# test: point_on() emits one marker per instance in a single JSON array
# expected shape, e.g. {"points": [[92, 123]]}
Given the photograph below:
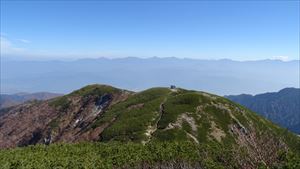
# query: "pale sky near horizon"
{"points": [[247, 30]]}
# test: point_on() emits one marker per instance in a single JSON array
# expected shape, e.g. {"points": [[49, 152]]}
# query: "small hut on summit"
{"points": [[172, 87]]}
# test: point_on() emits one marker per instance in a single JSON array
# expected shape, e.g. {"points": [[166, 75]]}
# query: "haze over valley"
{"points": [[222, 77]]}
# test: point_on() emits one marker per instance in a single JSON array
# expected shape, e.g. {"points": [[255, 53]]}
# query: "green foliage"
{"points": [[186, 126], [62, 103], [113, 155], [203, 128], [170, 135], [131, 124], [94, 90], [292, 141], [176, 105], [220, 116], [242, 119], [288, 160], [54, 123]]}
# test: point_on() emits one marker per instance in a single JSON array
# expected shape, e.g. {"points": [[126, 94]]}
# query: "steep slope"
{"points": [[62, 119], [8, 100], [157, 115], [281, 107]]}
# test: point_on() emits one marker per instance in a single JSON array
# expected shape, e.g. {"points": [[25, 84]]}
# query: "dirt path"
{"points": [[152, 129]]}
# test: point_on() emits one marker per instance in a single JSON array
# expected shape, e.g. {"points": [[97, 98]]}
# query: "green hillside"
{"points": [[156, 128]]}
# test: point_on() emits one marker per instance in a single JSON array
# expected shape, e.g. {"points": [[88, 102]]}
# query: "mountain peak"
{"points": [[95, 89], [289, 89]]}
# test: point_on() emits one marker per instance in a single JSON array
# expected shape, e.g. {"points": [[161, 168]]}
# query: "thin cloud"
{"points": [[282, 58], [7, 47], [24, 40]]}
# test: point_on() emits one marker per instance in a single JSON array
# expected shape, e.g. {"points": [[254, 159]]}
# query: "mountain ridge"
{"points": [[8, 100], [282, 107], [101, 113]]}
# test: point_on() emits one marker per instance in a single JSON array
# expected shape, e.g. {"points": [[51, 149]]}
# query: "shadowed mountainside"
{"points": [[281, 107]]}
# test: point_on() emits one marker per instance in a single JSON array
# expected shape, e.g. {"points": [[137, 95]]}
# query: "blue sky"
{"points": [[204, 30]]}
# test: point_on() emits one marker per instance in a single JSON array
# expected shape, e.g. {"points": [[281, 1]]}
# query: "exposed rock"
{"points": [[136, 106], [217, 133], [179, 121]]}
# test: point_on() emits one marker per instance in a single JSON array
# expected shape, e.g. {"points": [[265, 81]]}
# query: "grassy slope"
{"points": [[129, 155], [130, 124]]}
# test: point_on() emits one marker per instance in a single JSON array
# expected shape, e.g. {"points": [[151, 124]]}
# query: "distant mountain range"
{"points": [[222, 77], [281, 107], [223, 134], [7, 100]]}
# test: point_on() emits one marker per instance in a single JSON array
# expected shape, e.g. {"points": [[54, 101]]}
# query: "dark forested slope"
{"points": [[281, 107]]}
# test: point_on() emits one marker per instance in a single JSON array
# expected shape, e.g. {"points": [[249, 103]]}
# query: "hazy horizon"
{"points": [[13, 58], [220, 77]]}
